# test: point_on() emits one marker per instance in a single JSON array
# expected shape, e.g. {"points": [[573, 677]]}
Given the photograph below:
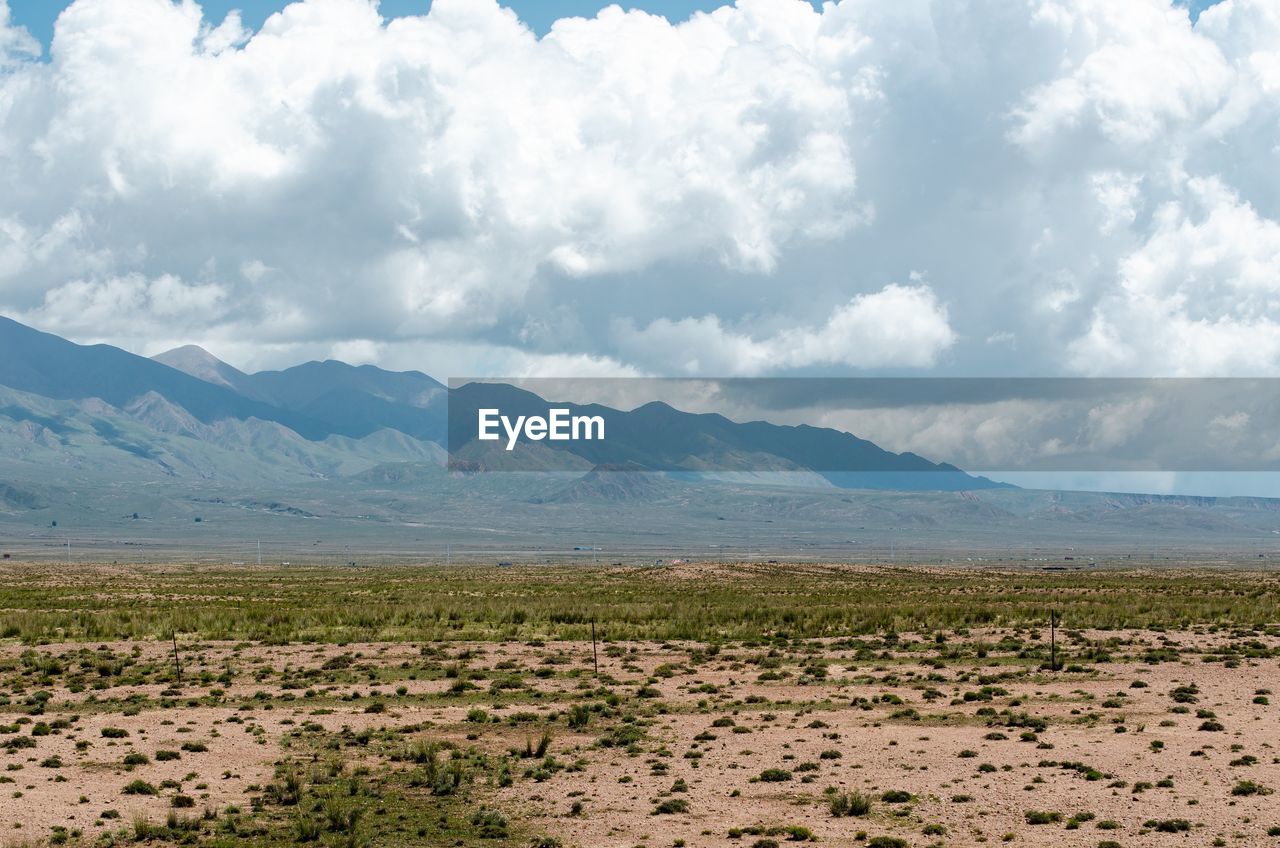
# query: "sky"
{"points": [[38, 16], [923, 187]]}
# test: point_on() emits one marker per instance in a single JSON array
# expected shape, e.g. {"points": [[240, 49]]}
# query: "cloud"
{"points": [[736, 193], [577, 366], [146, 307], [411, 178], [1112, 425], [903, 326], [1005, 434], [16, 44], [1200, 297], [1139, 71]]}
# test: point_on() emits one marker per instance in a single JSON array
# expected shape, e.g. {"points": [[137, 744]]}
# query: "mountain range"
{"points": [[189, 392], [183, 449]]}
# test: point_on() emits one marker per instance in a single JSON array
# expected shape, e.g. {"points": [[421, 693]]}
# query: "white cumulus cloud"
{"points": [[1200, 297], [410, 178], [16, 44], [896, 326], [735, 193]]}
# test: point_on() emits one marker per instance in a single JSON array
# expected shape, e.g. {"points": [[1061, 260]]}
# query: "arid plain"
{"points": [[722, 704]]}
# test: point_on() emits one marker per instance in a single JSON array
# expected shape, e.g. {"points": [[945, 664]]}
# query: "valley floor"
{"points": [[722, 705]]}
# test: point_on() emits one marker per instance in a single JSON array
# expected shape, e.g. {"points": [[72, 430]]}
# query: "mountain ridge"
{"points": [[659, 437], [128, 453]]}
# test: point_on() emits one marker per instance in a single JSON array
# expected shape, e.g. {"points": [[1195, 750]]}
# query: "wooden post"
{"points": [[176, 663], [595, 662], [1053, 640]]}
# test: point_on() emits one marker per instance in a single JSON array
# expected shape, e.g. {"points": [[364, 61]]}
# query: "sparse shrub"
{"points": [[1245, 788], [579, 716], [849, 804], [1168, 825], [489, 824], [305, 828]]}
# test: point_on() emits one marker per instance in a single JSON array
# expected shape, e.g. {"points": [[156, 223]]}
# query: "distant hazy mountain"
{"points": [[92, 443], [346, 399], [658, 437], [269, 417], [201, 364], [46, 365], [125, 454]]}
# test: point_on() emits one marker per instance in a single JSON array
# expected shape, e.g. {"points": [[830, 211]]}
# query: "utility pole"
{"points": [[448, 554], [259, 552], [177, 664]]}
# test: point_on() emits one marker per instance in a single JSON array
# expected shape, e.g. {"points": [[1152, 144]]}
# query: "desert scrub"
{"points": [[670, 806], [848, 803], [490, 824], [579, 716], [1167, 825], [1245, 788], [887, 842]]}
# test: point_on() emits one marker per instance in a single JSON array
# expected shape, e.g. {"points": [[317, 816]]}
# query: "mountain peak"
{"points": [[198, 362]]}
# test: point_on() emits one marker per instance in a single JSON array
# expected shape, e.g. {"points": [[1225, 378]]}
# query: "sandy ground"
{"points": [[712, 726]]}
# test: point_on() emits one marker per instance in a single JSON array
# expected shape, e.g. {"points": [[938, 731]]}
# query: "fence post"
{"points": [[1053, 640], [595, 662]]}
